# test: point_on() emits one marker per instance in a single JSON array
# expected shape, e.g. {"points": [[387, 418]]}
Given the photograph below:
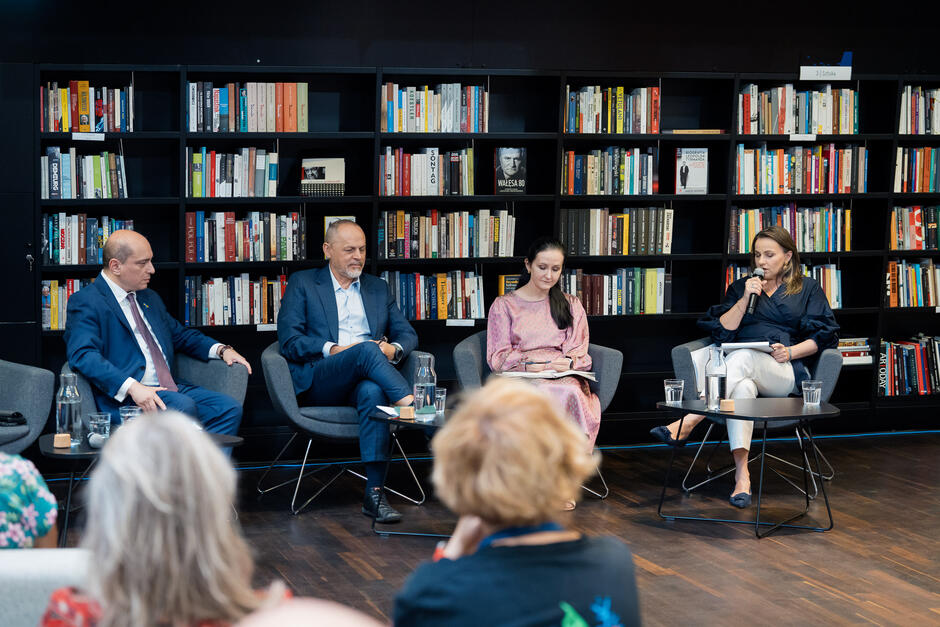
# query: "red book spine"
{"points": [[654, 126], [73, 105], [210, 185], [406, 175], [229, 236]]}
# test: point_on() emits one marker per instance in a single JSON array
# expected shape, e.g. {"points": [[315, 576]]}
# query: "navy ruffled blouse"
{"points": [[785, 318]]}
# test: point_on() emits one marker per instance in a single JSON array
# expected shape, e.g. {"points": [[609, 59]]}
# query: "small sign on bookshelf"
{"points": [[825, 72], [323, 177], [691, 170]]}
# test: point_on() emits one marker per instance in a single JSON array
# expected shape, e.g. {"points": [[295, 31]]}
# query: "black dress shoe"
{"points": [[376, 506], [662, 434], [741, 499]]}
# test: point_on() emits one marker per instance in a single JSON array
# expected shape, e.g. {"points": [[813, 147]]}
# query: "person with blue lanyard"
{"points": [[505, 462]]}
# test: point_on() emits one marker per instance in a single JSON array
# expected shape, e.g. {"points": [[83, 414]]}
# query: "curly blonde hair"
{"points": [[160, 529], [509, 456]]}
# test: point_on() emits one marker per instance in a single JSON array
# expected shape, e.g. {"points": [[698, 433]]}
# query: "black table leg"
{"points": [[64, 532]]}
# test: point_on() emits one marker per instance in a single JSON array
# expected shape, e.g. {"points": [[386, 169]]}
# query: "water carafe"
{"points": [[716, 374], [425, 386], [68, 409]]}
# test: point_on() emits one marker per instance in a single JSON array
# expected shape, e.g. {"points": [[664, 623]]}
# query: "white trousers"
{"points": [[750, 373]]}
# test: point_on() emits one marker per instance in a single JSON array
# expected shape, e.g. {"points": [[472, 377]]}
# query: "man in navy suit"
{"points": [[120, 337], [342, 334]]}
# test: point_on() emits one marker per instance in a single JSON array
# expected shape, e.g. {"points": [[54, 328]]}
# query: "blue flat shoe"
{"points": [[662, 434], [741, 499]]}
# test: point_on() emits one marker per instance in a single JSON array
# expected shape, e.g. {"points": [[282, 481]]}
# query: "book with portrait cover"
{"points": [[509, 171], [323, 177], [691, 170]]}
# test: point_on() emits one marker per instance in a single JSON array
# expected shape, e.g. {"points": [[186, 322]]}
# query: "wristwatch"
{"points": [[398, 353], [222, 350]]}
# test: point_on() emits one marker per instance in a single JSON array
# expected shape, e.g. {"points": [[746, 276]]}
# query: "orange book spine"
{"points": [[279, 107], [290, 104]]}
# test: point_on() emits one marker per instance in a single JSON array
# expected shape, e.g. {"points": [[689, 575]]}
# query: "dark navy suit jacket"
{"points": [[100, 342], [308, 319]]}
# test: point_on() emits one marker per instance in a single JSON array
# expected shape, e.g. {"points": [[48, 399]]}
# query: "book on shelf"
{"points": [[454, 295], [691, 170], [431, 234], [217, 236], [814, 229], [610, 110], [635, 231], [912, 283], [509, 170], [913, 228], [54, 297], [695, 131], [785, 110], [232, 300], [920, 111], [247, 107], [549, 374], [64, 174], [250, 173], [855, 351], [506, 283], [78, 107], [323, 176], [915, 170], [626, 291], [816, 169], [616, 170], [444, 108], [426, 173], [77, 239], [909, 367], [828, 275]]}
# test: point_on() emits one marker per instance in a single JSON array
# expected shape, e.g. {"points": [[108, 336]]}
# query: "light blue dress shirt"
{"points": [[353, 324]]}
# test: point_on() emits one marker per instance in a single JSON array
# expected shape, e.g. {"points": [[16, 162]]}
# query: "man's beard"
{"points": [[352, 273]]}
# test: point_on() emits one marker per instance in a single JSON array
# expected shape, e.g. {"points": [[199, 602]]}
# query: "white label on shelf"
{"points": [[88, 137], [803, 137], [266, 327], [825, 72], [468, 323], [937, 310]]}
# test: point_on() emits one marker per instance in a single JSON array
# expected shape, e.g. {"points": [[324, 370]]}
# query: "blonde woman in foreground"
{"points": [[502, 463], [165, 548]]}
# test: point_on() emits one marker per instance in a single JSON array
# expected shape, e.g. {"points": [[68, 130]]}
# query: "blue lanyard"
{"points": [[512, 532]]}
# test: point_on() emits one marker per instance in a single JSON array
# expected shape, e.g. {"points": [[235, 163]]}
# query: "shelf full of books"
{"points": [[814, 229], [916, 171], [920, 111], [613, 171], [233, 300], [444, 108], [632, 231], [816, 169], [55, 296], [856, 351], [246, 107], [623, 292], [217, 236], [75, 239], [913, 228], [912, 284], [612, 110], [786, 110], [909, 367], [249, 173], [429, 172], [454, 295], [437, 234], [68, 175], [79, 107], [828, 275]]}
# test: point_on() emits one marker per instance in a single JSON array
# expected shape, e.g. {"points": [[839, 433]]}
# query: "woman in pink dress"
{"points": [[538, 327]]}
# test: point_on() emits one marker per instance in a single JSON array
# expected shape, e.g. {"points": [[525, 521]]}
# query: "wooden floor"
{"points": [[880, 565]]}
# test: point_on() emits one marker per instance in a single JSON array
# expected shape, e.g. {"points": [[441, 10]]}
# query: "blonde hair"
{"points": [[509, 456], [792, 277], [160, 528]]}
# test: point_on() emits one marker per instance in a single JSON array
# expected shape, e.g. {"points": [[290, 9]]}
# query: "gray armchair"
{"points": [[213, 375], [321, 423], [825, 368], [472, 371], [28, 390]]}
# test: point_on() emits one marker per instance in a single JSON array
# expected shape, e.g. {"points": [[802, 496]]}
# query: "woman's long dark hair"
{"points": [[561, 312]]}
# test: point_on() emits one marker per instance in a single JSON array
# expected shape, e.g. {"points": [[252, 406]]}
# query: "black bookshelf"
{"points": [[526, 109]]}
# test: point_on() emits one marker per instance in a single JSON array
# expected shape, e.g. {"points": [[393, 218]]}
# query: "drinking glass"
{"points": [[100, 424], [440, 399], [674, 390], [128, 413], [812, 392]]}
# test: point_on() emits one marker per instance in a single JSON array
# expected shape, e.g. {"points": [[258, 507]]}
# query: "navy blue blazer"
{"points": [[100, 342], [308, 319]]}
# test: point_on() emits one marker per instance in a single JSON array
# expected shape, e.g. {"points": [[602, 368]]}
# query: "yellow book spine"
{"points": [[84, 110], [848, 229], [626, 234], [66, 124], [441, 296], [650, 285], [620, 109], [54, 294]]}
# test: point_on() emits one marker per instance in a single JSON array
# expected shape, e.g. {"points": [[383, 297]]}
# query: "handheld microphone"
{"points": [[752, 300]]}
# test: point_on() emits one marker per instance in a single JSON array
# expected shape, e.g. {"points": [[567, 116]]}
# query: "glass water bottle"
{"points": [[425, 385], [716, 375], [68, 409]]}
